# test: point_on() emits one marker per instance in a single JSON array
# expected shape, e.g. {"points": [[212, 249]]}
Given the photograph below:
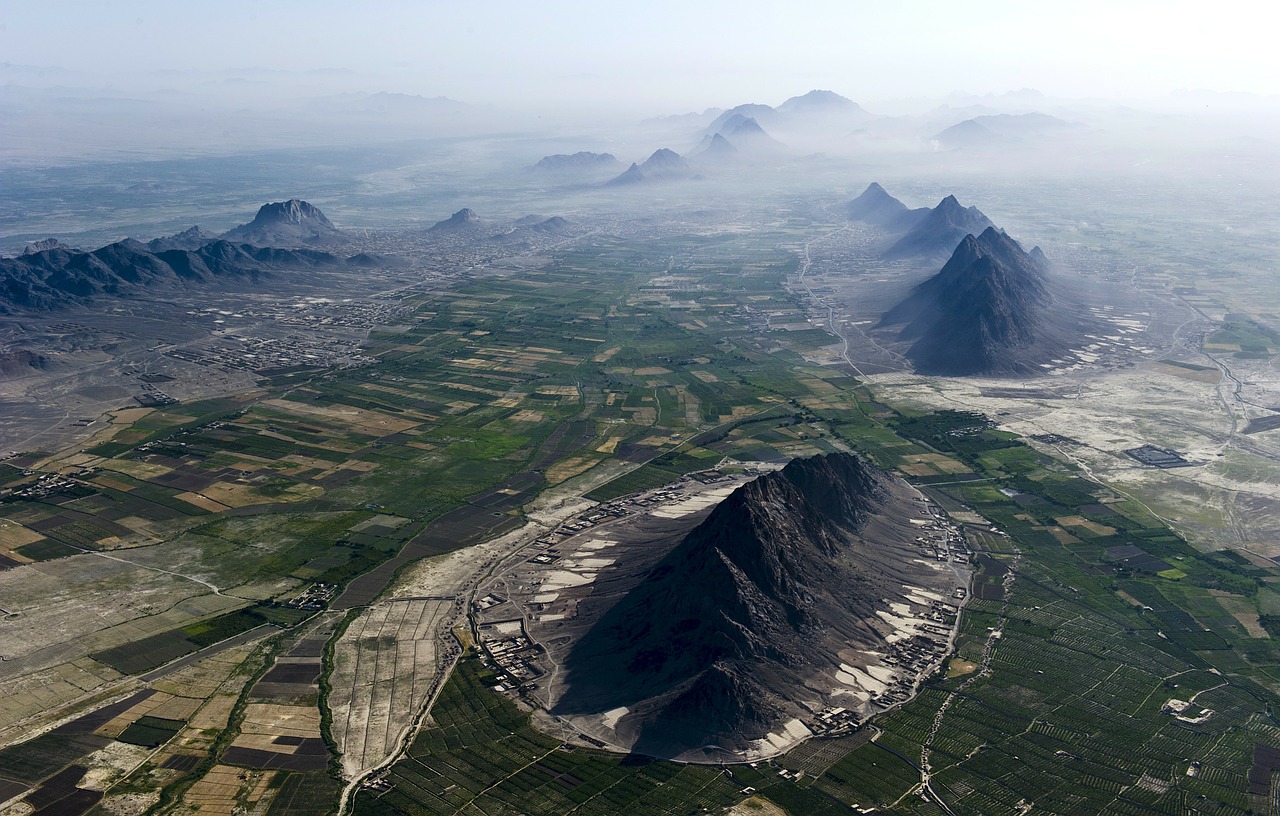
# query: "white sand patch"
{"points": [[921, 522], [858, 694], [612, 716], [593, 544], [546, 597], [934, 565], [924, 593], [555, 617], [861, 679], [693, 504], [589, 563], [796, 730], [882, 673], [506, 627], [561, 579], [901, 609], [903, 627]]}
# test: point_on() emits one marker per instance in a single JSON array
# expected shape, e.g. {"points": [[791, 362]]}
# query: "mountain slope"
{"points": [[663, 165], [875, 206], [56, 278], [985, 312], [464, 220], [939, 231], [715, 645]]}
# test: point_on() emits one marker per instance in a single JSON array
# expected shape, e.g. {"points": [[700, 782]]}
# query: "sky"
{"points": [[652, 57]]}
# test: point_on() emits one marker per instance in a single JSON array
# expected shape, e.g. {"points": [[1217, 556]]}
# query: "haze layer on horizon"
{"points": [[565, 56]]}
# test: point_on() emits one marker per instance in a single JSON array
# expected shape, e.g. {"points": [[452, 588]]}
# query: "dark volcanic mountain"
{"points": [[875, 206], [464, 220], [939, 230], [580, 162], [986, 312], [59, 277], [663, 165], [286, 223], [751, 611]]}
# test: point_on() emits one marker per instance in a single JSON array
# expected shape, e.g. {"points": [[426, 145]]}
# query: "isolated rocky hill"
{"points": [[876, 206], [987, 311], [716, 644], [939, 231], [663, 165], [286, 223], [464, 220]]}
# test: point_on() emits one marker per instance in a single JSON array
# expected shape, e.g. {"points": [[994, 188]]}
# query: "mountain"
{"points": [[580, 162], [823, 105], [939, 230], [715, 148], [750, 611], [286, 223], [464, 220], [986, 312], [192, 238], [746, 134], [663, 165], [760, 113], [535, 226], [56, 278], [42, 245], [876, 206], [1000, 130], [555, 225]]}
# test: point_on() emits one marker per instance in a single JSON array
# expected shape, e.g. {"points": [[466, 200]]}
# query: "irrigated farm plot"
{"points": [[385, 665]]}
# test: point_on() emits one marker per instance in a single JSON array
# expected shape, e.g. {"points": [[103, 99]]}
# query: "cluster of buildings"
{"points": [[916, 657], [313, 596], [506, 648]]}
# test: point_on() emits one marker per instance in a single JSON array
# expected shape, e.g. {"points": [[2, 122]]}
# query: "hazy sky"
{"points": [[652, 56]]}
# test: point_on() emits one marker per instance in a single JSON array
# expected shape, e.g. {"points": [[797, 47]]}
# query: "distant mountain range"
{"points": [[822, 110], [582, 162], [1001, 130], [715, 646], [56, 278], [49, 275], [987, 311]]}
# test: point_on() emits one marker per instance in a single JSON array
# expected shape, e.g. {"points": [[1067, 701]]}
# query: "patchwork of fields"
{"points": [[197, 616]]}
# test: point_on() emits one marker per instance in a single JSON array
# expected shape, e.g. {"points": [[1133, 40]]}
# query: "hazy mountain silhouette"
{"points": [[582, 162], [875, 206], [464, 220], [663, 165], [939, 230]]}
